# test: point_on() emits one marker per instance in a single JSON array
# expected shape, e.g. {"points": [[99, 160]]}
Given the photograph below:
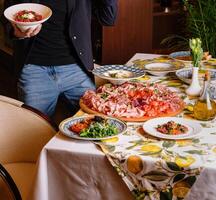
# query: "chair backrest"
{"points": [[11, 101], [23, 133], [8, 188]]}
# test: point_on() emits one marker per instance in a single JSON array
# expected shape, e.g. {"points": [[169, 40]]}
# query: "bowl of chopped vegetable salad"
{"points": [[27, 15]]}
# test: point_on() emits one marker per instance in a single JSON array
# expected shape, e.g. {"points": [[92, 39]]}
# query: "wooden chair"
{"points": [[23, 133]]}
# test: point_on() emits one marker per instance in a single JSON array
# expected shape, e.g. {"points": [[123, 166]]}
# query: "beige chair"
{"points": [[23, 133], [8, 189]]}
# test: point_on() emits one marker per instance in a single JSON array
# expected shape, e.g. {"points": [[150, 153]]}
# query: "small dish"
{"points": [[186, 74], [118, 74], [182, 56], [186, 58], [194, 128], [64, 127], [11, 11], [160, 68]]}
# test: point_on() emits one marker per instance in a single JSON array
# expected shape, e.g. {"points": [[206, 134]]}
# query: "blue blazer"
{"points": [[80, 12]]}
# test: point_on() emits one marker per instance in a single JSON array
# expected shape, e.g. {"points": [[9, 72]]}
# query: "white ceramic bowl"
{"points": [[111, 72], [160, 68], [10, 12]]}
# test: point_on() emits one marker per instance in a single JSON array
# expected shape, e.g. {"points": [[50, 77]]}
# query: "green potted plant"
{"points": [[200, 17]]}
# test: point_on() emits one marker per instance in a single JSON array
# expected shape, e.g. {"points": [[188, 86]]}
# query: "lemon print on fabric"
{"points": [[144, 78], [184, 161], [134, 164], [151, 149], [189, 107], [183, 143], [181, 189], [214, 149], [111, 140]]}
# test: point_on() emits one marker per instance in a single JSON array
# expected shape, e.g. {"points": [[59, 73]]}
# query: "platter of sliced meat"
{"points": [[132, 101]]}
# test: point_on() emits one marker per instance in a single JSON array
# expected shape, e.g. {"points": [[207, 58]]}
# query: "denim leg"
{"points": [[73, 82], [37, 88]]}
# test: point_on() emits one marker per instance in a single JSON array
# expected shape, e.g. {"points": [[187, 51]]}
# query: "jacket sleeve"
{"points": [[6, 24], [105, 11]]}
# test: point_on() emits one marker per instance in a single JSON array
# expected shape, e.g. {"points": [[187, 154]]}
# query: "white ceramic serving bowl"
{"points": [[103, 71], [159, 68], [10, 12]]}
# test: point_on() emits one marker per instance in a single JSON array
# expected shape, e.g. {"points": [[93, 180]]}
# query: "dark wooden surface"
{"points": [[141, 26], [130, 34]]}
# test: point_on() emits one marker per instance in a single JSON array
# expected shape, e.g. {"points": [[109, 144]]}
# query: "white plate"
{"points": [[64, 127], [194, 128], [185, 75]]}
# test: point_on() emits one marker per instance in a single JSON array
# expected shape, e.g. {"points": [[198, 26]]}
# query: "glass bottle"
{"points": [[205, 108]]}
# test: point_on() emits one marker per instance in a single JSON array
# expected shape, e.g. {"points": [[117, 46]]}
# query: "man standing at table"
{"points": [[55, 58]]}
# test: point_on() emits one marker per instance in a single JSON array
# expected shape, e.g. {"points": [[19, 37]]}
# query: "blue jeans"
{"points": [[40, 86]]}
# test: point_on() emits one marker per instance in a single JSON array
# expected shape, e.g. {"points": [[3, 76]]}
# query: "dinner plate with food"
{"points": [[92, 127], [185, 75], [172, 128], [132, 101], [118, 74]]}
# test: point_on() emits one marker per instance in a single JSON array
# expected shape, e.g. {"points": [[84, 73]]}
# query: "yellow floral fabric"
{"points": [[158, 169]]}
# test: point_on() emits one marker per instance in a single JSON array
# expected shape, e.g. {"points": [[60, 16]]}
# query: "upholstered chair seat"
{"points": [[23, 133]]}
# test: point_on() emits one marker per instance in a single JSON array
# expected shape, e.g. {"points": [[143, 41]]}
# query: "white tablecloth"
{"points": [[77, 170]]}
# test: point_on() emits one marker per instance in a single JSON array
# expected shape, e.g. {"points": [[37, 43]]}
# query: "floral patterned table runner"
{"points": [[159, 169]]}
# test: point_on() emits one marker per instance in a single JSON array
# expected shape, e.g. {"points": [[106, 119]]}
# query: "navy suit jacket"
{"points": [[80, 12]]}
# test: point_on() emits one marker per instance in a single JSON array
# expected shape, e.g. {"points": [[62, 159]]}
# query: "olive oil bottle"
{"points": [[205, 108]]}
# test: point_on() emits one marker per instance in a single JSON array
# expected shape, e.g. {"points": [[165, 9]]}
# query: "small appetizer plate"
{"points": [[182, 56], [65, 125], [118, 74], [193, 128]]}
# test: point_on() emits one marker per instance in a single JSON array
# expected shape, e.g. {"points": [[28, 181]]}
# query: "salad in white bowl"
{"points": [[27, 15]]}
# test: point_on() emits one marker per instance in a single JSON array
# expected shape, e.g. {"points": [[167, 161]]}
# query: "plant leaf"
{"points": [[198, 152], [173, 166], [156, 176], [168, 144], [166, 195], [178, 177], [190, 180]]}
